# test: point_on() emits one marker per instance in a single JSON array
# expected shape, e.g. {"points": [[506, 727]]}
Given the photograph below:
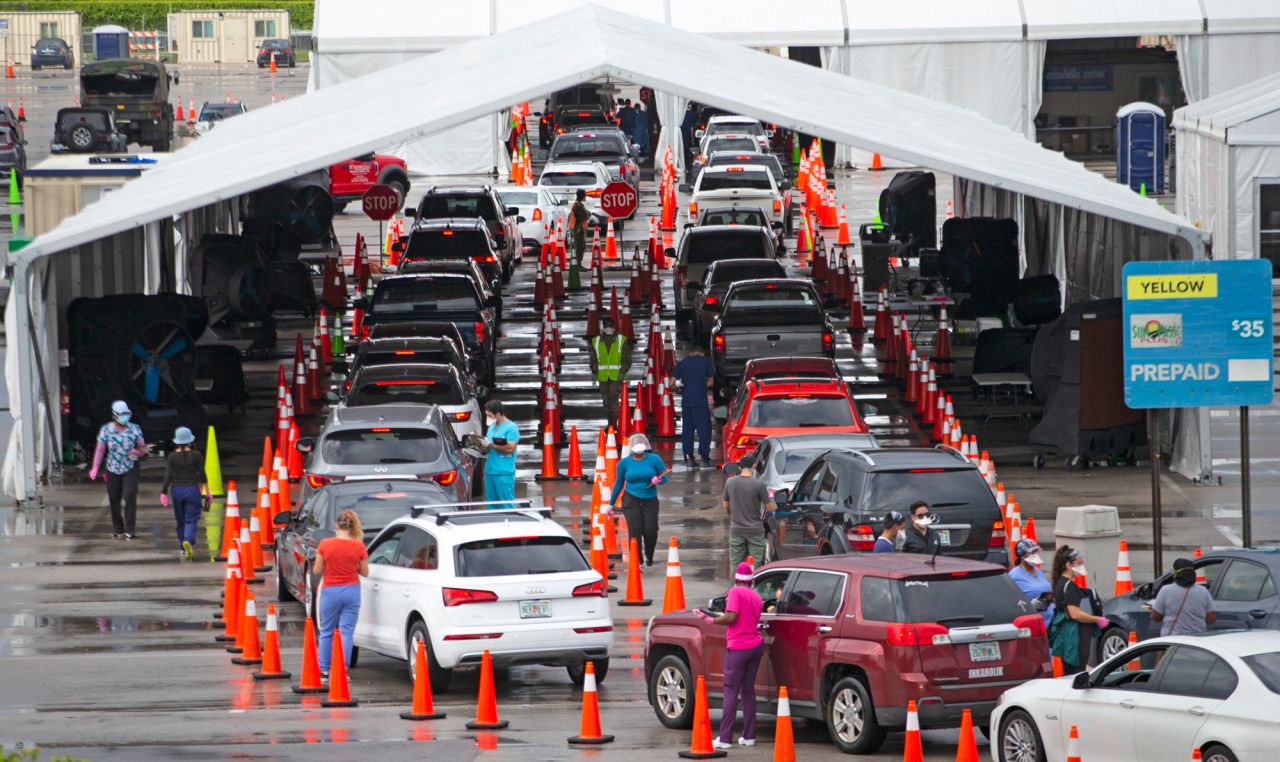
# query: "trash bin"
{"points": [[1095, 529]]}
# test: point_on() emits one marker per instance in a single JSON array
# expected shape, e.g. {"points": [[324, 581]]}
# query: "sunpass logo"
{"points": [[1155, 330]]}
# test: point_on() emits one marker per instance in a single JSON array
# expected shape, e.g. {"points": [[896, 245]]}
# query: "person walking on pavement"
{"points": [[500, 439], [186, 487], [579, 217], [921, 536], [1029, 577], [637, 482], [340, 562], [641, 138], [744, 648], [697, 375], [1183, 608], [610, 361], [895, 526], [121, 446], [746, 500], [1075, 624]]}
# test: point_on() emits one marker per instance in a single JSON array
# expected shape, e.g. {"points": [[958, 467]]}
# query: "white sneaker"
{"points": [[718, 744], [744, 741]]}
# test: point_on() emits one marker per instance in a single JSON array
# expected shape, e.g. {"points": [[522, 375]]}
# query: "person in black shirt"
{"points": [[1074, 626], [921, 536], [186, 487]]}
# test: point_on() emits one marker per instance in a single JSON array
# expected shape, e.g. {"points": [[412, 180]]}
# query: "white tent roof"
{"points": [[1241, 16], [449, 88], [1220, 115], [1058, 20]]}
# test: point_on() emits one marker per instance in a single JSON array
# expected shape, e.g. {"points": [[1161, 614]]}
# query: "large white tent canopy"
{"points": [[441, 91]]}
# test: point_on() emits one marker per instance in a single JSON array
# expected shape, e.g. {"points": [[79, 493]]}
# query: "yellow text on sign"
{"points": [[1203, 286]]}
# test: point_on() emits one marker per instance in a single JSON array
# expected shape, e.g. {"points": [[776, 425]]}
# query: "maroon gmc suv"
{"points": [[854, 637]]}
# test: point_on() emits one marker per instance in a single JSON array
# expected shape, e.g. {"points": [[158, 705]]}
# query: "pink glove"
{"points": [[1103, 623], [93, 474], [164, 500], [656, 480]]}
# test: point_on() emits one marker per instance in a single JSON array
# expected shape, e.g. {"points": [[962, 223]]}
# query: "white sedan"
{"points": [[563, 180], [541, 212], [1154, 702]]}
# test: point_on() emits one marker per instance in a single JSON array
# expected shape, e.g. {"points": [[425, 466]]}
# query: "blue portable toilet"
{"points": [[1140, 146], [110, 41]]}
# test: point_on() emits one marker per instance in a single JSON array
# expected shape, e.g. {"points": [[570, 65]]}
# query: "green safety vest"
{"points": [[609, 359]]}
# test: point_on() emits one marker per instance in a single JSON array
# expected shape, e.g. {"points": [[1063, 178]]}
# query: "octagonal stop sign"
{"points": [[380, 202], [619, 200]]}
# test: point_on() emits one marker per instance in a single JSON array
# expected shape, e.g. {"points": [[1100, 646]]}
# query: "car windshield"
{"points": [[275, 44], [744, 127], [426, 391], [732, 144], [436, 206], [743, 216], [519, 556], [964, 600], [212, 111], [747, 179], [380, 446], [799, 411], [519, 198], [575, 118], [766, 160], [794, 462], [378, 503], [397, 356], [723, 276], [50, 42], [1267, 668], [578, 147], [562, 179], [940, 488], [446, 244], [704, 249], [426, 295], [772, 306]]}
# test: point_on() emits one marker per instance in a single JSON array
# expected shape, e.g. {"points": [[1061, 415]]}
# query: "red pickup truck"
{"points": [[348, 180]]}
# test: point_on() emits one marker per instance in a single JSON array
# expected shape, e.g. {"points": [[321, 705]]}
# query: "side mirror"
{"points": [[699, 134], [365, 157], [495, 286], [1080, 681], [717, 604], [635, 150], [685, 188], [283, 517], [398, 247], [332, 396], [409, 211], [785, 185], [482, 391], [360, 304], [512, 211], [782, 496], [520, 219], [768, 133], [870, 410], [1146, 591], [732, 468], [305, 445], [177, 77], [473, 440], [670, 252]]}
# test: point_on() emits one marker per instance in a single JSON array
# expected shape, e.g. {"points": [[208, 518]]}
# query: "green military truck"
{"points": [[137, 93]]}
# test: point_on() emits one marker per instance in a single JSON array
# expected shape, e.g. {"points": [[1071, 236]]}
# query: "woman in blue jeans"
{"points": [[185, 486], [340, 562]]}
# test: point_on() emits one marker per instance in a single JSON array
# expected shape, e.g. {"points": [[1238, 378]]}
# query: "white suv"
{"points": [[513, 582]]}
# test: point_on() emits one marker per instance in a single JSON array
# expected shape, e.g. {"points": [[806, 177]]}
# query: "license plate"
{"points": [[119, 107], [944, 536], [542, 610], [984, 651]]}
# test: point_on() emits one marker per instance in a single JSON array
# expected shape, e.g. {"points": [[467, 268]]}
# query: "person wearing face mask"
{"points": [[610, 361], [921, 536], [121, 446], [895, 525], [1028, 576], [500, 440], [637, 482], [1074, 626], [1184, 607]]}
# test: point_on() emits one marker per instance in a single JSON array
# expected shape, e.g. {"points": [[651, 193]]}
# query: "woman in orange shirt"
{"points": [[340, 562]]}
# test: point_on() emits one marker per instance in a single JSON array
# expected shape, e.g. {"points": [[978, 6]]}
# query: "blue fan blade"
{"points": [[152, 392], [174, 349], [139, 351]]}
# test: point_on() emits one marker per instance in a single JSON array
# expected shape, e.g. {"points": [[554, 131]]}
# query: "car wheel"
{"points": [[338, 206], [1218, 754], [437, 675], [851, 718], [1020, 739], [401, 190], [578, 672], [82, 138], [1112, 641], [671, 692], [282, 588]]}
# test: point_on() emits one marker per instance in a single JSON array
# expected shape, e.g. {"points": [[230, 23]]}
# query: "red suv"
{"points": [[767, 407], [348, 180], [853, 638]]}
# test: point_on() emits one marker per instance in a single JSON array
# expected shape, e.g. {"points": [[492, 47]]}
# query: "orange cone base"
{"points": [[308, 691], [641, 602], [272, 675], [328, 703], [704, 755], [234, 649], [487, 725], [224, 638], [594, 740], [242, 660], [258, 569], [420, 717]]}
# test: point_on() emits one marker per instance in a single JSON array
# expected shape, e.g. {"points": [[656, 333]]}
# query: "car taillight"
{"points": [[288, 51], [364, 332], [589, 630], [862, 538], [917, 635], [537, 213], [457, 596], [591, 590], [485, 259], [480, 331], [474, 636], [711, 301], [828, 342], [693, 210], [777, 206], [595, 193], [743, 441], [998, 537], [316, 482], [465, 415], [1030, 626], [445, 479], [717, 343], [682, 272]]}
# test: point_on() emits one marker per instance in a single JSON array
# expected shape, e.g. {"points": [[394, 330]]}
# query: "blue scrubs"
{"points": [[694, 371]]}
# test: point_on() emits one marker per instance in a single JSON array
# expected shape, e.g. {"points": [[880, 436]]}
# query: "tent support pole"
{"points": [[25, 474]]}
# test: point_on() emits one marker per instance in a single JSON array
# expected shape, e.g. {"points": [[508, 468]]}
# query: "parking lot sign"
{"points": [[1197, 333]]}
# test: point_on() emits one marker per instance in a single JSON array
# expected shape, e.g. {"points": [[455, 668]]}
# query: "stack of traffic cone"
{"points": [[1124, 575], [625, 327], [589, 732], [550, 466], [635, 584], [1200, 578], [310, 682], [271, 668], [230, 524], [883, 326], [1029, 531], [248, 646], [666, 413], [230, 614], [486, 701], [301, 387], [942, 345], [912, 372], [423, 706], [857, 319], [639, 420], [1134, 665], [339, 691], [624, 412], [673, 596], [700, 746], [599, 555]]}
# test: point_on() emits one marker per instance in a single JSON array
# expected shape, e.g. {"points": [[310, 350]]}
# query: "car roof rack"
{"points": [[483, 507], [948, 449]]}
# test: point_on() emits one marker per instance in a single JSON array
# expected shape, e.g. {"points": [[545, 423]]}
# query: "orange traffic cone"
{"points": [[624, 412], [339, 691], [271, 669], [610, 242], [487, 701], [1195, 754], [249, 647], [942, 345], [1135, 665], [911, 750], [599, 556], [255, 544], [1058, 669], [589, 732], [423, 708], [876, 163], [1200, 578], [635, 585], [784, 744], [230, 523], [967, 751], [246, 557], [1124, 575], [1029, 531], [310, 662], [550, 467], [575, 457], [842, 238], [1073, 745], [673, 597], [700, 747], [231, 600]]}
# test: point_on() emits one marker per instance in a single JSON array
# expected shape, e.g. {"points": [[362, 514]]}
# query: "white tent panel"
{"points": [[918, 21], [379, 26], [517, 13], [1241, 16], [1220, 114], [763, 23], [1079, 19]]}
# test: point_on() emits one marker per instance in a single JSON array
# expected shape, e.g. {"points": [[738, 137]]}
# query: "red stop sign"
{"points": [[619, 200], [380, 202]]}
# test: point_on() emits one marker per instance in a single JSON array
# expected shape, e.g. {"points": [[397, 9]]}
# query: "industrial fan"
{"points": [[909, 208], [236, 286]]}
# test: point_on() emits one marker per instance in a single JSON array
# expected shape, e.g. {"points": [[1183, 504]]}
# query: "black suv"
{"points": [[476, 203], [87, 130], [844, 496], [464, 238], [584, 97]]}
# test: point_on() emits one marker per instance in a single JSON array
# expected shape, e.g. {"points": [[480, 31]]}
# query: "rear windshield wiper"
{"points": [[974, 618], [543, 571], [397, 460]]}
